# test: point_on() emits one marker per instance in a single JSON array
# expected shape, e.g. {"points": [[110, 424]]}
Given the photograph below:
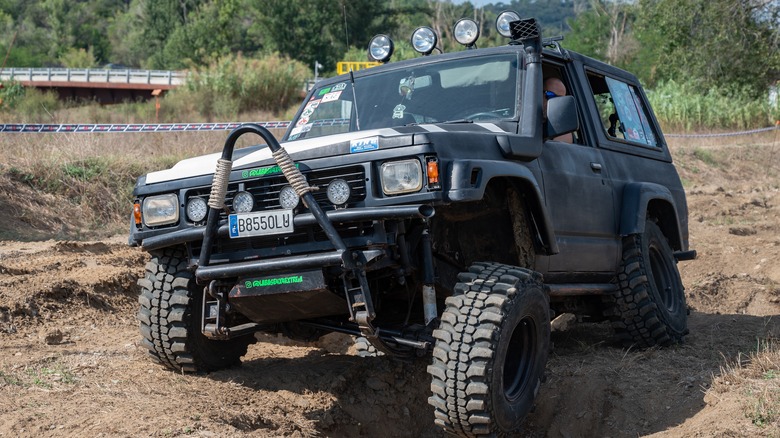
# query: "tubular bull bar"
{"points": [[352, 262]]}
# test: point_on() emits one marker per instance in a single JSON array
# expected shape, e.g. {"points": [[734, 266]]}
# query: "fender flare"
{"points": [[470, 178], [636, 200]]}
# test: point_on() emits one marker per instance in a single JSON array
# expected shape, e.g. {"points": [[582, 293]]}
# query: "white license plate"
{"points": [[260, 223]]}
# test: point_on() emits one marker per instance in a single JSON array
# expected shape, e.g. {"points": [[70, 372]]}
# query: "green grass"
{"points": [[683, 107], [707, 156]]}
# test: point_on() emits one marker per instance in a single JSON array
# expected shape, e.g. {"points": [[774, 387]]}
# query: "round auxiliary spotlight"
{"points": [[243, 202], [288, 199], [338, 191], [424, 40], [503, 20], [466, 32], [197, 209], [380, 48]]}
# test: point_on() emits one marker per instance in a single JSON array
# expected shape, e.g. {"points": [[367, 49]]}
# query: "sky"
{"points": [[477, 3]]}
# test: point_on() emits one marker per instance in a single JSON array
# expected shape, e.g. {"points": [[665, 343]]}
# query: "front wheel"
{"points": [[649, 307], [490, 352], [169, 319]]}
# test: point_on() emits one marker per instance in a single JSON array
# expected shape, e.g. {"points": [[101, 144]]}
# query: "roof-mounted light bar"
{"points": [[503, 20], [466, 32], [380, 48], [424, 40]]}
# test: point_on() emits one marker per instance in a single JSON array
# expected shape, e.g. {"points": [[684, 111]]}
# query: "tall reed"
{"points": [[683, 107]]}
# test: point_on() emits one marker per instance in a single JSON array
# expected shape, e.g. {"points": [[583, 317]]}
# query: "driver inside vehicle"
{"points": [[554, 87]]}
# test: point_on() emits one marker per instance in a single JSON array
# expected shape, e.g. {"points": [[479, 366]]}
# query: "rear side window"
{"points": [[623, 112]]}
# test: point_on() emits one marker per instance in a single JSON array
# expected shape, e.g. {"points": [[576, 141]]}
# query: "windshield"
{"points": [[479, 88]]}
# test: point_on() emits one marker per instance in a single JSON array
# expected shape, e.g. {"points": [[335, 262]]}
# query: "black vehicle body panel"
{"points": [[581, 198]]}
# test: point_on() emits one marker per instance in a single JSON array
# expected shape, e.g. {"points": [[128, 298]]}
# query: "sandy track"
{"points": [[70, 363]]}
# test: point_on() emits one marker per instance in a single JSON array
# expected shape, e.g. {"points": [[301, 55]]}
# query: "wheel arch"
{"points": [[471, 179], [649, 200]]}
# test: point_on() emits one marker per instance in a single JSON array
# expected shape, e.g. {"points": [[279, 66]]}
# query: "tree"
{"points": [[604, 31], [77, 58], [319, 30], [159, 21], [730, 44], [210, 32]]}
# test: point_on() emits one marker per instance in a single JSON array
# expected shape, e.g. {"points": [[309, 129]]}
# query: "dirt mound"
{"points": [[72, 366]]}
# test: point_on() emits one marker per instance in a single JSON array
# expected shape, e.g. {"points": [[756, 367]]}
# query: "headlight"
{"points": [[401, 177], [466, 32], [161, 210], [380, 48], [338, 191], [243, 202], [503, 20], [288, 199], [424, 40], [197, 209]]}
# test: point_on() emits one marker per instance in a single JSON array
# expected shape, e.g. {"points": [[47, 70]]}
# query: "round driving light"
{"points": [[380, 48], [196, 209], [503, 20], [424, 40], [288, 198], [243, 202], [338, 191], [466, 32]]}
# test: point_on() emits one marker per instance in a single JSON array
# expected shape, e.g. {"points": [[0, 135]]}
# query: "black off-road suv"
{"points": [[449, 205]]}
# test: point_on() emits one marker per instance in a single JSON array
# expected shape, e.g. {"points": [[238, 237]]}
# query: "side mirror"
{"points": [[561, 116]]}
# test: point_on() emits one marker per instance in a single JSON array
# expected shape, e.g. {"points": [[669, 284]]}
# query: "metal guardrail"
{"points": [[119, 76], [135, 127]]}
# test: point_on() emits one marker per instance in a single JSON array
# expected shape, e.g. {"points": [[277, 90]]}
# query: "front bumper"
{"points": [[300, 256]]}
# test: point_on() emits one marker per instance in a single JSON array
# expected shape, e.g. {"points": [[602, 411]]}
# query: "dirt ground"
{"points": [[71, 364]]}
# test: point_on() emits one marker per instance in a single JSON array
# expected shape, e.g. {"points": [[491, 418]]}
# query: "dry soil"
{"points": [[71, 364]]}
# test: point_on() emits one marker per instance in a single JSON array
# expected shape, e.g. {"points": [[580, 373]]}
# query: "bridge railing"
{"points": [[126, 76]]}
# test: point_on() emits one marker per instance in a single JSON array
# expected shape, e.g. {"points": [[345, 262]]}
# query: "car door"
{"points": [[579, 197]]}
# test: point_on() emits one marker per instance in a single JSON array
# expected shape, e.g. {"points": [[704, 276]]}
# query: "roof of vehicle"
{"points": [[558, 53]]}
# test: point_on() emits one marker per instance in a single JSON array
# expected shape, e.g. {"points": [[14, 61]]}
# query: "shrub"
{"points": [[234, 84], [35, 106]]}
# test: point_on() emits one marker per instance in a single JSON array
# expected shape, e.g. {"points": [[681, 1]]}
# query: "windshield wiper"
{"points": [[457, 121]]}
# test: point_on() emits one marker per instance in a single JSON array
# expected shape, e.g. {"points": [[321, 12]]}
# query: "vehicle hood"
{"points": [[205, 164]]}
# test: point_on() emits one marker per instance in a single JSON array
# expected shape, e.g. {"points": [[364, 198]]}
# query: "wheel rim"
{"points": [[662, 278], [519, 361]]}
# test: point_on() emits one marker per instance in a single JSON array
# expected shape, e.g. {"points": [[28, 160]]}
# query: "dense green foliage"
{"points": [[233, 85], [724, 48], [682, 106]]}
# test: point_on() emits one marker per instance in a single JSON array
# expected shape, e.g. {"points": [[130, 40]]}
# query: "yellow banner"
{"points": [[345, 67]]}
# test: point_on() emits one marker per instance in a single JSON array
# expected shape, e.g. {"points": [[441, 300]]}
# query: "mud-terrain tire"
{"points": [[170, 304], [649, 307], [490, 352]]}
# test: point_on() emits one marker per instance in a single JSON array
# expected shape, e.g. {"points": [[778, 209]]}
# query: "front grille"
{"points": [[266, 190]]}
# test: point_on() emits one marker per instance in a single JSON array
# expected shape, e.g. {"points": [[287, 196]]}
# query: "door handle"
{"points": [[596, 167]]}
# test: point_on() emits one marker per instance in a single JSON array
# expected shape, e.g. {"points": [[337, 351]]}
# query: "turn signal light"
{"points": [[433, 172], [137, 213]]}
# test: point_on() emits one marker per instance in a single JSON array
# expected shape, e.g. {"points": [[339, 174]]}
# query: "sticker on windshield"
{"points": [[398, 111], [339, 87], [302, 121], [298, 130], [301, 129], [363, 145], [324, 91], [308, 110], [330, 97]]}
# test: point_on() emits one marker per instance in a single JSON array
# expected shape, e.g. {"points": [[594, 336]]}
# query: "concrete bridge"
{"points": [[101, 85]]}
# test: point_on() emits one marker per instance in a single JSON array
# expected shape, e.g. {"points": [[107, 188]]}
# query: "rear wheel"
{"points": [[169, 317], [490, 352], [649, 307]]}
